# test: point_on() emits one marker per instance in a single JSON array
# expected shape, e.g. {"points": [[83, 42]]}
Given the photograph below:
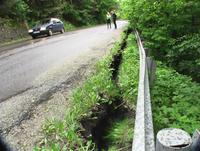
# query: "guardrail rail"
{"points": [[143, 132]]}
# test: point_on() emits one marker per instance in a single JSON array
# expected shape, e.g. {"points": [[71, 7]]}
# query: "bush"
{"points": [[170, 30], [175, 101], [185, 55]]}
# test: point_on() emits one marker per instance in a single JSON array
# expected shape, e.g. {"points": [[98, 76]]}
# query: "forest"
{"points": [[77, 12]]}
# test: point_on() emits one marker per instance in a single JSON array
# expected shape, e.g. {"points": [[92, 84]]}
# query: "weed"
{"points": [[120, 134], [128, 75]]}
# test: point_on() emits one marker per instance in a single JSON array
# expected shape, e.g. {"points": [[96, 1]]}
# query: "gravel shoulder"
{"points": [[22, 116]]}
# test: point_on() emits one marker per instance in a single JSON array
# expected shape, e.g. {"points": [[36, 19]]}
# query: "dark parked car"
{"points": [[47, 27]]}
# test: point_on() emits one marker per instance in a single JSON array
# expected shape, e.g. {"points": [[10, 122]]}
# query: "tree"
{"points": [[15, 9], [168, 27]]}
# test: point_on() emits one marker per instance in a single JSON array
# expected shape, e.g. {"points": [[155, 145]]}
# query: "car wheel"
{"points": [[62, 31], [50, 33], [33, 36]]}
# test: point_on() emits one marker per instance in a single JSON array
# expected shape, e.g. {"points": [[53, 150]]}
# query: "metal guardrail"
{"points": [[168, 139], [143, 132]]}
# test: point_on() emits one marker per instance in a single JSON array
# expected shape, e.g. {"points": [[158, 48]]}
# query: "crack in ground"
{"points": [[47, 95], [71, 80], [16, 94]]}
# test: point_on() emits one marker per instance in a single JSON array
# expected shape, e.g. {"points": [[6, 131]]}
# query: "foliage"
{"points": [[128, 74], [84, 12], [175, 100], [188, 49], [120, 134], [17, 9], [124, 8], [87, 12], [68, 26], [163, 25]]}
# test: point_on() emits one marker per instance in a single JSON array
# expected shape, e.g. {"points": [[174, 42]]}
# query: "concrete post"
{"points": [[172, 139]]}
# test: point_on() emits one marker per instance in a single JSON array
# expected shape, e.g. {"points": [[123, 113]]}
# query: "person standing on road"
{"points": [[108, 18], [114, 18]]}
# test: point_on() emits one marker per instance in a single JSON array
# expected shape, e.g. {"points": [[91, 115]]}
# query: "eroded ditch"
{"points": [[96, 126]]}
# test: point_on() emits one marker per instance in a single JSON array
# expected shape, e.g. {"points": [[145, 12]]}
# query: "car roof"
{"points": [[55, 19]]}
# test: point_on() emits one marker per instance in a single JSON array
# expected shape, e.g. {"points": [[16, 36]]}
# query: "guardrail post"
{"points": [[196, 141], [172, 139], [151, 64]]}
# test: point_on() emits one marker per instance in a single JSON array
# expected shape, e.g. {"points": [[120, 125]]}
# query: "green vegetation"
{"points": [[84, 12], [85, 101], [120, 135], [175, 100], [128, 73], [68, 26], [170, 30]]}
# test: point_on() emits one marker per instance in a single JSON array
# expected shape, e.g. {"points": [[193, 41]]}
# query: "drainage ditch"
{"points": [[104, 115]]}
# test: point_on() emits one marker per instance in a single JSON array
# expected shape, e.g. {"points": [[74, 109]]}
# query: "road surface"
{"points": [[20, 67], [37, 77]]}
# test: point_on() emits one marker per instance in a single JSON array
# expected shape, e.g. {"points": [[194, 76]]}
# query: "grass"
{"points": [[129, 72], [120, 134], [68, 26], [66, 135]]}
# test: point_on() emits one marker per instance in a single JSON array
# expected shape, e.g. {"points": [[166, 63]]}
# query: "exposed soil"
{"points": [[101, 119], [105, 114], [118, 57]]}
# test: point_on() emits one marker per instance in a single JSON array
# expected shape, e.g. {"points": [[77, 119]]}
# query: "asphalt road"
{"points": [[21, 66]]}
